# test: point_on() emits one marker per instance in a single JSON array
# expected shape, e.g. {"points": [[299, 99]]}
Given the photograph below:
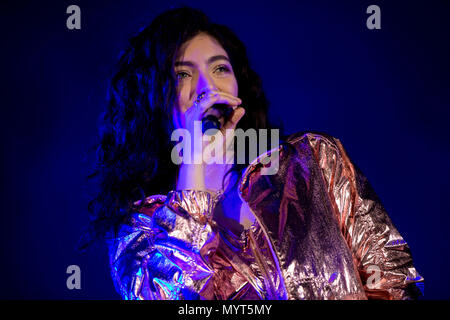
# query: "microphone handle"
{"points": [[211, 121]]}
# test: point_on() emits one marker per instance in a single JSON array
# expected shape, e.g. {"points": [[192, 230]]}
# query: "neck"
{"points": [[204, 177]]}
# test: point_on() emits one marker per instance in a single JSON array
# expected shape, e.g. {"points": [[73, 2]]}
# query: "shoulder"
{"points": [[322, 145], [315, 139], [149, 204], [301, 146], [328, 150], [300, 141]]}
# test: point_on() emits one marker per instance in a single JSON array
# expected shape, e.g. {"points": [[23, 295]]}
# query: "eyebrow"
{"points": [[210, 60]]}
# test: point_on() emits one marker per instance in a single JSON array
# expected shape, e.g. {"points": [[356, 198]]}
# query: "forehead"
{"points": [[202, 45]]}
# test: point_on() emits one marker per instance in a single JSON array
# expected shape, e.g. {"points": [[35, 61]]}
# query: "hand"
{"points": [[202, 107], [206, 176]]}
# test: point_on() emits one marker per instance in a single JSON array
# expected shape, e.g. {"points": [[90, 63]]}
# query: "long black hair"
{"points": [[133, 152]]}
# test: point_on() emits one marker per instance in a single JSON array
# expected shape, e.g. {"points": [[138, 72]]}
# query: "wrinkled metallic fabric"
{"points": [[320, 233]]}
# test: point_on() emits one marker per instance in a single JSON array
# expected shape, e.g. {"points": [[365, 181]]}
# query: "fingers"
{"points": [[197, 111], [236, 116], [215, 97]]}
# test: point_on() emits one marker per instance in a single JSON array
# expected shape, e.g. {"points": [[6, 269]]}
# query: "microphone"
{"points": [[211, 121]]}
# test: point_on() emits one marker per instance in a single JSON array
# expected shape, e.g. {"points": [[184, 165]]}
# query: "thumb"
{"points": [[236, 116]]}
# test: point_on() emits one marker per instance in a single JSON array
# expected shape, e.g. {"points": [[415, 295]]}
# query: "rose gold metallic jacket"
{"points": [[320, 233]]}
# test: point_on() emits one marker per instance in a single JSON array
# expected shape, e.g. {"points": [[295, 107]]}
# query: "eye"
{"points": [[182, 75], [223, 69]]}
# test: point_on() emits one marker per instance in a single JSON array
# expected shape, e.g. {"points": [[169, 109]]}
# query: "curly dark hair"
{"points": [[133, 153]]}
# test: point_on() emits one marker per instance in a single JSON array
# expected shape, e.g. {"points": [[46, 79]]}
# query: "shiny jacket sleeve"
{"points": [[381, 255], [162, 253]]}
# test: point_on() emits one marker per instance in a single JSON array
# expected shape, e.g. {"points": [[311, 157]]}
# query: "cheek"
{"points": [[233, 87], [186, 97], [236, 89], [182, 100]]}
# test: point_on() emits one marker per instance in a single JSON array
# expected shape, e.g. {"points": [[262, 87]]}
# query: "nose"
{"points": [[205, 83]]}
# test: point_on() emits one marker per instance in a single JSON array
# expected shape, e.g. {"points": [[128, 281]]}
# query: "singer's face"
{"points": [[202, 64]]}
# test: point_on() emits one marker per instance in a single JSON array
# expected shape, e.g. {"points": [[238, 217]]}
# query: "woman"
{"points": [[313, 229]]}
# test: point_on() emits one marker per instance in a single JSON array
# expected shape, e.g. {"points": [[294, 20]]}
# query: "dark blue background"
{"points": [[383, 93]]}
